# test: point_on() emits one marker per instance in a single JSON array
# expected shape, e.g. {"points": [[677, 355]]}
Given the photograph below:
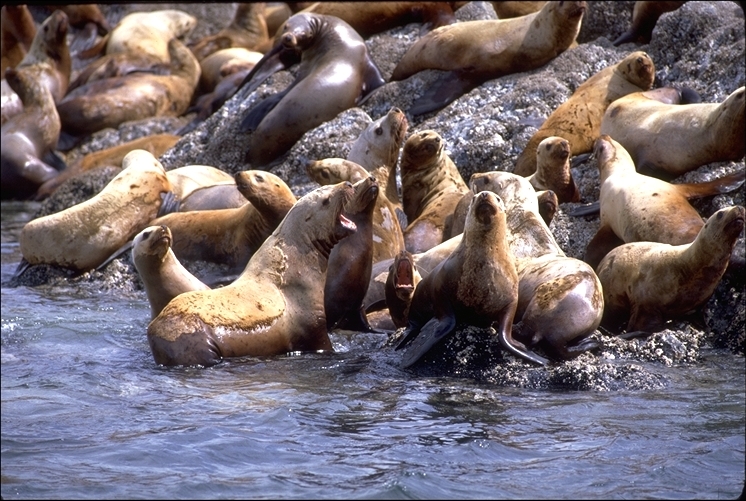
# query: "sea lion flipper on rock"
{"points": [[725, 184], [372, 79], [447, 88], [169, 203], [586, 210], [256, 114], [430, 335]]}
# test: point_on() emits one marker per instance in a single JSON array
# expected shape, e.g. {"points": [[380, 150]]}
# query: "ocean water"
{"points": [[86, 413]]}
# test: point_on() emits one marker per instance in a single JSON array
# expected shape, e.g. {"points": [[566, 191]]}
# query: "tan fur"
{"points": [[553, 169], [150, 32]]}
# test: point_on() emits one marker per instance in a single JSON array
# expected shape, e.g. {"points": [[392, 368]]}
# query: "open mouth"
{"points": [[346, 223]]}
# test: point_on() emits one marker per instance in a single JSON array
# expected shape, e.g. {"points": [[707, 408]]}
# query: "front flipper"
{"points": [[443, 91], [356, 321], [169, 203], [586, 210], [279, 58], [116, 254], [256, 114], [372, 79], [430, 334]]}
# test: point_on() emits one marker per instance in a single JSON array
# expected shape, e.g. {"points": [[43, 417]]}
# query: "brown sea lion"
{"points": [[335, 74], [671, 139], [156, 144], [11, 103], [369, 18], [247, 29], [28, 138], [17, 31], [401, 282], [110, 102], [84, 235], [431, 188], [476, 284], [163, 276], [224, 62], [553, 170], [150, 32], [231, 236], [119, 64], [644, 17], [579, 118], [647, 283], [80, 15], [472, 52], [350, 263], [636, 207], [203, 187], [275, 306], [49, 56]]}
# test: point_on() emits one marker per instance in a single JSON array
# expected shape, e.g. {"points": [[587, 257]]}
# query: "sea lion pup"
{"points": [[156, 144], [431, 188], [150, 32], [49, 57], [110, 102], [247, 29], [28, 138], [350, 263], [275, 306], [388, 238], [335, 74], [648, 283], [203, 187], [163, 276], [473, 52], [17, 31], [553, 170], [636, 207], [477, 284], [579, 118], [84, 235], [669, 140], [644, 17], [369, 18], [401, 282], [231, 236]]}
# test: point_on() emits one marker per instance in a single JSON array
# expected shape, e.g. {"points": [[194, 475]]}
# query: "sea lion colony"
{"points": [[166, 78]]}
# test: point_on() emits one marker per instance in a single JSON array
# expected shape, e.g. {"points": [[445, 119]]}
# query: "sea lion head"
{"points": [[638, 68], [152, 242], [266, 191], [366, 194], [54, 31], [727, 222], [422, 150], [569, 10], [484, 208], [301, 30], [514, 190]]}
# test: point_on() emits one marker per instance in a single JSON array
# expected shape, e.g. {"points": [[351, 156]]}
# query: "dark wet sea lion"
{"points": [[644, 18]]}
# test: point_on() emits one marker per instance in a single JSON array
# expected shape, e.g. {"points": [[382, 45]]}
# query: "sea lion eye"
{"points": [[379, 131], [146, 234], [325, 202]]}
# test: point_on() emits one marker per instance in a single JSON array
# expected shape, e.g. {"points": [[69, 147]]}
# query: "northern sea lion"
{"points": [[579, 118], [17, 31], [119, 64], [84, 235], [150, 32], [647, 283], [28, 138], [110, 102], [163, 276], [553, 170], [203, 187], [472, 52], [335, 74], [477, 284], [275, 306], [636, 207], [11, 103], [644, 18], [350, 263], [156, 144], [247, 29], [506, 10], [671, 139], [401, 282], [222, 63], [80, 15], [431, 188], [231, 236]]}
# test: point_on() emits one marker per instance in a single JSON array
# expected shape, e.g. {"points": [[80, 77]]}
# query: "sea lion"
{"points": [[431, 188], [669, 140], [224, 62], [84, 235], [579, 118], [80, 15], [648, 283], [506, 10], [477, 284], [335, 74], [49, 56], [203, 187], [110, 102], [350, 263], [231, 236], [401, 282], [275, 306], [247, 29], [17, 31], [163, 276], [119, 64], [644, 17], [553, 170], [388, 238], [28, 138], [156, 144], [150, 33], [369, 18], [635, 207], [472, 52], [11, 103]]}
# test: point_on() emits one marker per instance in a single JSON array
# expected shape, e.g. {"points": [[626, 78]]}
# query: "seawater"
{"points": [[86, 413]]}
